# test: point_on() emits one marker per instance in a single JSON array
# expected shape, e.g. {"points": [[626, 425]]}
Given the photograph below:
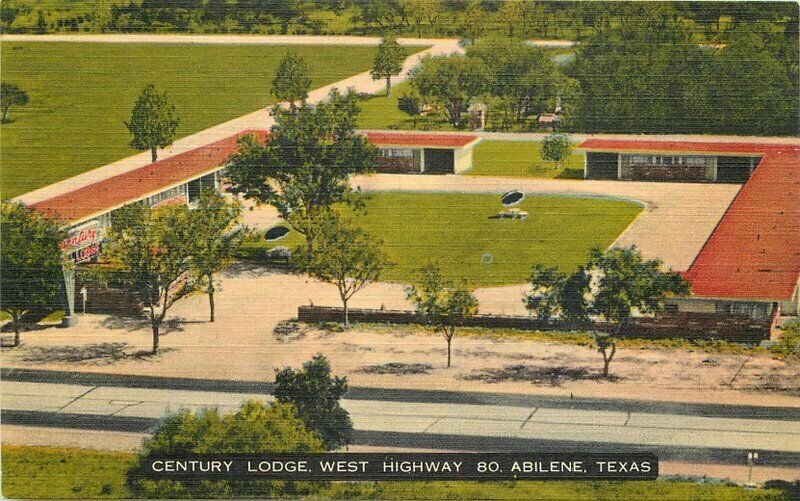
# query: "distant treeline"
{"points": [[703, 67], [707, 21]]}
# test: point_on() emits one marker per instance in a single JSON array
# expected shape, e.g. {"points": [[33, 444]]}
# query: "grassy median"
{"points": [[49, 472]]}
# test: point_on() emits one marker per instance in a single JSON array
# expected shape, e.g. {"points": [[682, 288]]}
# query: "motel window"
{"points": [[693, 161], [397, 152], [196, 186], [753, 310], [164, 195], [104, 220], [697, 161]]}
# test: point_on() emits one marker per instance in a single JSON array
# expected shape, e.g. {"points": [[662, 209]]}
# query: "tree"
{"points": [[305, 164], [11, 95], [624, 281], [573, 298], [316, 396], [512, 12], [452, 81], [556, 148], [292, 80], [420, 11], [153, 121], [383, 14], [217, 237], [752, 92], [152, 249], [31, 267], [256, 428], [410, 104], [473, 21], [344, 255], [442, 304], [41, 24], [388, 61], [547, 284], [522, 75]]}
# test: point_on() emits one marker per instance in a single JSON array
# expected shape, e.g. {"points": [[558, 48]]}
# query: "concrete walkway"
{"points": [[432, 425], [260, 119]]}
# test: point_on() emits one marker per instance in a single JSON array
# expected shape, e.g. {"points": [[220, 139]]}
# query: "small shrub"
{"points": [[316, 396], [255, 428], [789, 342], [279, 253]]}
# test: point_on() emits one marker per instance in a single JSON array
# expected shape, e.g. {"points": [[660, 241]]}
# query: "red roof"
{"points": [[136, 184], [108, 194], [420, 139], [754, 252], [651, 145]]}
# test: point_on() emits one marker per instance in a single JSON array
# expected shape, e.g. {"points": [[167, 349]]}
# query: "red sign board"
{"points": [[82, 243]]}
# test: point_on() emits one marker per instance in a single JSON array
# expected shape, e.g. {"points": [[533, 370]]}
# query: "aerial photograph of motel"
{"points": [[431, 229]]}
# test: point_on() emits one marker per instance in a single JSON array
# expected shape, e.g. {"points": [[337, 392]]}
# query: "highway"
{"points": [[687, 434]]}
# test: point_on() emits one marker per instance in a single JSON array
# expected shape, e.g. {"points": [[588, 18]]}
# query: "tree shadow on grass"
{"points": [[251, 269], [288, 331], [396, 368], [554, 376], [131, 324], [570, 173], [90, 354]]}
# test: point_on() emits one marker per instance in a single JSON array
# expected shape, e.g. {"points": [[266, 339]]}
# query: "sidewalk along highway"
{"points": [[455, 426]]}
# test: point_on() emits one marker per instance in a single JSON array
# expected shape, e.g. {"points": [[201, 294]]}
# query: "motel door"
{"points": [[439, 161], [602, 165], [733, 169]]}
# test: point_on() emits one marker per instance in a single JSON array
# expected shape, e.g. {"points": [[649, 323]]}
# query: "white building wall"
{"points": [[792, 307], [462, 160]]}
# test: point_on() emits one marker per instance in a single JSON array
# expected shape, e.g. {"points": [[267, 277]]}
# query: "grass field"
{"points": [[521, 159], [45, 472], [456, 231], [81, 93]]}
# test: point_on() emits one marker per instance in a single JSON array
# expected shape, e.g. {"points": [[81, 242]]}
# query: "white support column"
{"points": [[585, 164], [716, 168], [619, 165], [422, 160]]}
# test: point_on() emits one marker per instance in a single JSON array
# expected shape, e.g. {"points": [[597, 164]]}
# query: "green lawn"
{"points": [[521, 159], [456, 231], [80, 94], [45, 472]]}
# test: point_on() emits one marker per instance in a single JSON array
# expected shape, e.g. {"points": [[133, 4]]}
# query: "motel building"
{"points": [[87, 211], [748, 267], [422, 153], [750, 264]]}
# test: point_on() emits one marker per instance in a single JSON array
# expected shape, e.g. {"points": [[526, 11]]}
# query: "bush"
{"points": [[789, 342], [316, 396], [255, 428]]}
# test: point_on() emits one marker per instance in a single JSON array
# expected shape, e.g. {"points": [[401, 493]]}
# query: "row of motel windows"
{"points": [[694, 161], [191, 190], [756, 311], [396, 152]]}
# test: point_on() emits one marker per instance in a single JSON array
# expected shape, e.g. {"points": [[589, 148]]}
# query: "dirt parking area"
{"points": [[254, 335]]}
